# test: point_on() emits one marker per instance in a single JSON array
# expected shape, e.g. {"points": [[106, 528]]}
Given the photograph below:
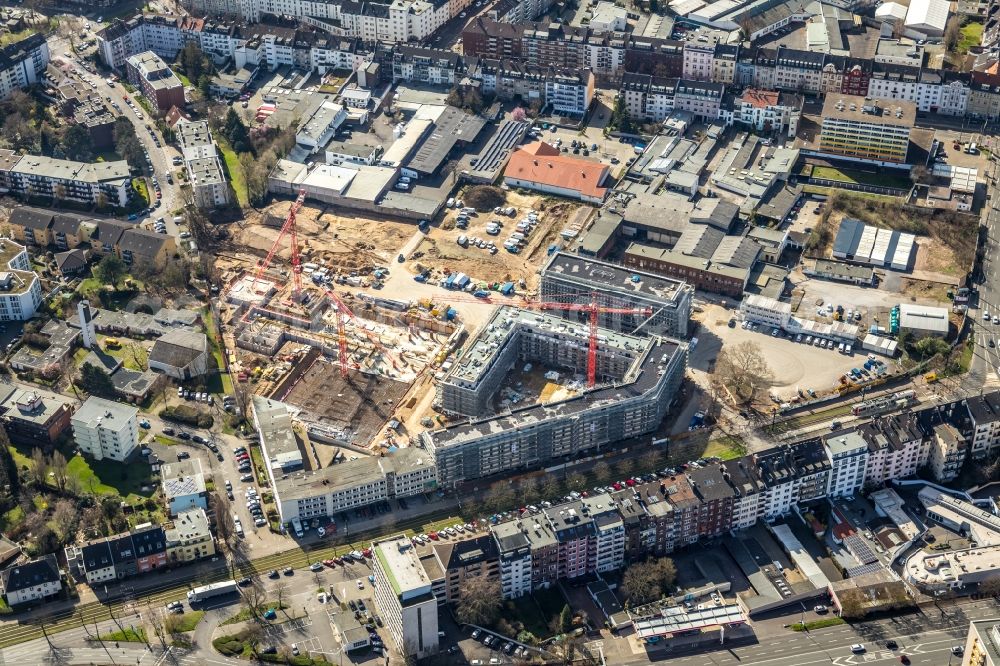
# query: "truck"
{"points": [[424, 226], [461, 280], [211, 590]]}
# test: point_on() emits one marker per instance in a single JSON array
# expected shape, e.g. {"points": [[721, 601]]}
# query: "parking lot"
{"points": [[794, 365]]}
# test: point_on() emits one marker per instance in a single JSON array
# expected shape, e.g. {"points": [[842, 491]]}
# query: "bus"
{"points": [[212, 590]]}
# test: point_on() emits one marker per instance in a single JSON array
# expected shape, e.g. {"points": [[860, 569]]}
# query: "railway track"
{"points": [[297, 558]]}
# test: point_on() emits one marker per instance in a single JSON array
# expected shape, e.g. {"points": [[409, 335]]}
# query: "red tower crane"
{"points": [[344, 313], [593, 309], [287, 228]]}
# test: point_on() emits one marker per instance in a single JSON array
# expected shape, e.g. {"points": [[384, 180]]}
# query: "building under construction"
{"points": [[640, 377]]}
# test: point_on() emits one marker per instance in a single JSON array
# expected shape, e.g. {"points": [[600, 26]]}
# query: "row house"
{"points": [[798, 71], [122, 556], [567, 91], [984, 95], [423, 65], [984, 412], [897, 447], [648, 98]]}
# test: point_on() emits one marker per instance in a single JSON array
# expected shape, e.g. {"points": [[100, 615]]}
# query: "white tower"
{"points": [[87, 325]]}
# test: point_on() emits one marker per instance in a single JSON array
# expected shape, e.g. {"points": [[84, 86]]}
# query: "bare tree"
{"points": [[602, 472], [59, 468], [280, 590], [39, 465], [953, 32], [253, 599], [648, 581], [743, 370], [225, 526], [65, 518], [479, 601], [138, 353]]}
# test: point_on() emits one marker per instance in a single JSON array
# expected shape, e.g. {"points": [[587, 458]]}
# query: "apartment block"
{"points": [[189, 538], [769, 111], [204, 166], [304, 495], [663, 305], [531, 436], [156, 80], [23, 64], [27, 582], [404, 597], [984, 411], [64, 180], [848, 453], [866, 130], [106, 429], [947, 452], [33, 417]]}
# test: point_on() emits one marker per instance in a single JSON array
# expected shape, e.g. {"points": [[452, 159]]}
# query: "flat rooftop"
{"points": [[504, 325], [641, 378], [877, 112], [402, 566], [604, 275]]}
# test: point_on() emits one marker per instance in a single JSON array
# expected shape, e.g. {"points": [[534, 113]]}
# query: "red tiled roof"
{"points": [[544, 164], [760, 98]]}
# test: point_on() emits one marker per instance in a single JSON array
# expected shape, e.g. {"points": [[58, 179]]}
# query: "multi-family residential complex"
{"points": [[982, 643], [97, 183], [304, 495], [31, 581], [141, 550], [985, 413], [663, 304], [201, 157], [23, 63], [106, 429], [33, 417], [404, 595], [638, 379], [156, 80], [20, 288], [145, 548], [859, 128]]}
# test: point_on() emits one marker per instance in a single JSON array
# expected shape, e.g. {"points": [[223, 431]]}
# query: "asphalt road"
{"points": [[160, 156], [926, 638], [986, 360]]}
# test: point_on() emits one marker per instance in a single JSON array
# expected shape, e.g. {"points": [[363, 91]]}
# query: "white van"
{"points": [[463, 240]]}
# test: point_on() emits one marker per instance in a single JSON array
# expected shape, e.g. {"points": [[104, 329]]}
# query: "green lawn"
{"points": [[244, 614], [726, 447], [233, 169], [141, 190], [184, 79], [13, 37], [860, 177], [972, 35], [126, 636], [188, 621], [112, 478], [11, 519], [818, 624]]}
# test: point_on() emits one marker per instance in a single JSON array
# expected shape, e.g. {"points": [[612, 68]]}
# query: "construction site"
{"points": [[303, 332]]}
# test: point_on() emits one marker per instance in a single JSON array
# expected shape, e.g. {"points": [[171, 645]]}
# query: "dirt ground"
{"points": [[794, 365], [359, 405], [936, 257], [325, 236], [439, 250]]}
